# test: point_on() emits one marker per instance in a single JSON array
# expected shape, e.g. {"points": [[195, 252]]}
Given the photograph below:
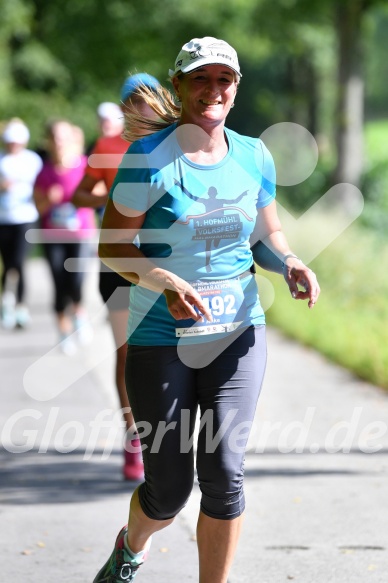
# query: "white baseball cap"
{"points": [[111, 111], [205, 51], [16, 132]]}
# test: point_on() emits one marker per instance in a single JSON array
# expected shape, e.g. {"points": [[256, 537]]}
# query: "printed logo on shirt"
{"points": [[214, 225]]}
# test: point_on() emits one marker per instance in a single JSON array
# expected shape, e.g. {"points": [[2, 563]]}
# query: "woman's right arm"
{"points": [[47, 198], [86, 195], [117, 250]]}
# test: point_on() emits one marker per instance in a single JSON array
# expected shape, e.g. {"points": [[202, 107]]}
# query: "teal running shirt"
{"points": [[198, 221]]}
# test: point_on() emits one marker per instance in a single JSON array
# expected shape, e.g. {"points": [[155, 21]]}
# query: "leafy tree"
{"points": [[63, 58], [350, 27]]}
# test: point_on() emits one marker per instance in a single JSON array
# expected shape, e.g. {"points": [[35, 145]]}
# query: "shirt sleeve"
{"points": [[38, 163], [267, 191]]}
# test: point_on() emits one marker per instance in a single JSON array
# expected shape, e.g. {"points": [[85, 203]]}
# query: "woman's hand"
{"points": [[5, 184], [55, 194], [297, 274], [183, 300]]}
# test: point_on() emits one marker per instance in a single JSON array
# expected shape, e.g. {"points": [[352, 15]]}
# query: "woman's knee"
{"points": [[222, 492], [164, 499]]}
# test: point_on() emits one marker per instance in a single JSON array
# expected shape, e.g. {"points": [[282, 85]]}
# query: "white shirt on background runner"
{"points": [[16, 202]]}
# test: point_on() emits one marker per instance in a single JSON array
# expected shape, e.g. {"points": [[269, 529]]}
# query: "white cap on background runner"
{"points": [[16, 132]]}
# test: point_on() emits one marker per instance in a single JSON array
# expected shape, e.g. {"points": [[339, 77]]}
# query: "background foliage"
{"points": [[63, 58]]}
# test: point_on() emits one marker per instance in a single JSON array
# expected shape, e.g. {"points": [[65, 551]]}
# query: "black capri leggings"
{"points": [[13, 251], [67, 284], [114, 289], [165, 393]]}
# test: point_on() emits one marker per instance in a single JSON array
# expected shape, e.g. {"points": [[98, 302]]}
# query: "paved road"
{"points": [[316, 468]]}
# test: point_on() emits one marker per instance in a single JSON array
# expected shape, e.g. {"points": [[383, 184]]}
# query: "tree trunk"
{"points": [[350, 105], [302, 86]]}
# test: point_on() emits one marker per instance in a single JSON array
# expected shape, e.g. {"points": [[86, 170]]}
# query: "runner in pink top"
{"points": [[65, 229], [62, 219]]}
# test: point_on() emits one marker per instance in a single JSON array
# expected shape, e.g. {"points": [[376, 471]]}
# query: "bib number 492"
{"points": [[220, 305]]}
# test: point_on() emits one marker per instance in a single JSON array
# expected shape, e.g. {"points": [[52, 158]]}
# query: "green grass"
{"points": [[376, 140], [349, 324]]}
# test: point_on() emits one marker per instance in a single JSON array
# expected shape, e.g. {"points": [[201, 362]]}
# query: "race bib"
{"points": [[64, 216], [225, 300]]}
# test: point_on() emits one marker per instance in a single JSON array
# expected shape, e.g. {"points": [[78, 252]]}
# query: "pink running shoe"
{"points": [[133, 468]]}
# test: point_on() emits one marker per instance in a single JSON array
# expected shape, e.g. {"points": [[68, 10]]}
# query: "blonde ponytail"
{"points": [[161, 101]]}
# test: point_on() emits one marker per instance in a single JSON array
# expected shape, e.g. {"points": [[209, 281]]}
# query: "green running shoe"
{"points": [[120, 567]]}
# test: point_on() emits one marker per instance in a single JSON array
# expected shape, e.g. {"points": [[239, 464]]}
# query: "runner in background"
{"points": [[113, 288], [18, 170], [111, 119], [65, 229], [111, 125]]}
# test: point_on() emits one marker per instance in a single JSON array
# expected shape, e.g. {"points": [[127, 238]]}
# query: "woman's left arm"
{"points": [[273, 246]]}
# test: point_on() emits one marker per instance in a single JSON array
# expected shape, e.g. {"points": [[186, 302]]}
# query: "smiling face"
{"points": [[206, 94]]}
